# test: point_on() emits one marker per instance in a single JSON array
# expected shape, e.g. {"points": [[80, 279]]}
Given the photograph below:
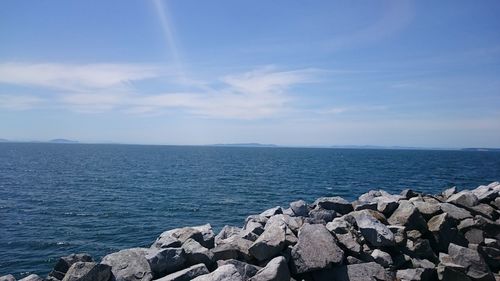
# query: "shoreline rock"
{"points": [[450, 236]]}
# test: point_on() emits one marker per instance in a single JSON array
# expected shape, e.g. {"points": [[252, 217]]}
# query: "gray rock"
{"points": [[322, 215], [339, 225], [496, 203], [455, 212], [449, 192], [422, 263], [233, 248], [294, 223], [399, 232], [370, 271], [416, 274], [485, 210], [275, 270], [485, 193], [271, 212], [420, 248], [413, 234], [491, 256], [474, 236], [316, 249], [186, 274], [408, 193], [246, 270], [9, 277], [353, 260], [88, 271], [448, 270], [361, 205], [226, 232], [64, 263], [444, 231], [337, 204], [270, 243], [463, 198], [299, 208], [387, 204], [226, 272], [382, 258], [254, 224], [165, 261], [349, 241], [428, 210], [476, 267], [376, 233], [129, 265], [195, 253], [32, 277], [409, 216], [202, 234]]}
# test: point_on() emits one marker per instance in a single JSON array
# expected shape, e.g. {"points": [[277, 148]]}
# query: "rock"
{"points": [[339, 225], [226, 232], [382, 258], [254, 224], [476, 267], [165, 261], [408, 193], [337, 204], [9, 277], [422, 263], [376, 233], [233, 248], [444, 231], [455, 212], [32, 277], [362, 205], [370, 271], [129, 265], [299, 208], [270, 243], [491, 256], [288, 212], [316, 249], [349, 241], [485, 193], [353, 260], [428, 210], [195, 253], [463, 198], [409, 216], [387, 205], [485, 210], [322, 215], [420, 248], [448, 270], [186, 274], [416, 274], [64, 263], [202, 234], [275, 270], [226, 272], [246, 270], [399, 234], [413, 235], [491, 243], [449, 192], [294, 223], [496, 203], [474, 236], [271, 212], [88, 271]]}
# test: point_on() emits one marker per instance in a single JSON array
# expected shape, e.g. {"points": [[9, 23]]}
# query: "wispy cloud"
{"points": [[19, 102], [260, 93]]}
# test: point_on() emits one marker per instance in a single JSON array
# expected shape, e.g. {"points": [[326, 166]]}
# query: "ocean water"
{"points": [[57, 199]]}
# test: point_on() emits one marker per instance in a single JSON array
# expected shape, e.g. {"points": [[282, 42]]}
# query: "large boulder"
{"points": [[246, 270], [64, 263], [195, 253], [299, 208], [227, 232], [275, 270], [166, 260], [129, 265], [370, 271], [455, 212], [8, 277], [316, 249], [202, 234], [226, 272], [375, 232], [234, 247], [337, 204], [463, 198], [409, 216], [444, 231], [270, 243], [320, 215], [382, 258], [186, 274], [476, 267], [88, 271], [427, 209], [416, 274], [272, 212]]}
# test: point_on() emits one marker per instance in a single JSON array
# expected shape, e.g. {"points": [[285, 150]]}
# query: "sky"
{"points": [[407, 73]]}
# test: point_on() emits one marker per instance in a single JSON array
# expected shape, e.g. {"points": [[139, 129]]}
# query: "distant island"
{"points": [[480, 149], [4, 140], [252, 144], [62, 141]]}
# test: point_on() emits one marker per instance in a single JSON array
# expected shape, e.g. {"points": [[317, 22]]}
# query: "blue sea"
{"points": [[57, 199]]}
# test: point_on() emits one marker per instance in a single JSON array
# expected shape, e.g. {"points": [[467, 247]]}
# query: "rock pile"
{"points": [[411, 236]]}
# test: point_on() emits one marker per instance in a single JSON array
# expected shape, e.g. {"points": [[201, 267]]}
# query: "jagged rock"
{"points": [[165, 261], [370, 271], [387, 204], [299, 208], [444, 231], [474, 236], [129, 265], [399, 232], [186, 274], [362, 205], [422, 263], [353, 260], [472, 261], [339, 225], [413, 234], [202, 234], [485, 210], [496, 203], [491, 256], [427, 209], [294, 223], [463, 198], [376, 233], [9, 277], [254, 224], [420, 248], [32, 277], [448, 270], [455, 212], [195, 253], [449, 192], [271, 212], [288, 212], [226, 272], [416, 274], [409, 216], [382, 258], [270, 243], [88, 271], [322, 215], [64, 263], [489, 242], [233, 248], [337, 204], [485, 193], [349, 241], [316, 249], [275, 270], [226, 232], [246, 270]]}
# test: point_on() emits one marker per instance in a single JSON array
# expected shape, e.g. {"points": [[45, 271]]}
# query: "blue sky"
{"points": [[411, 73]]}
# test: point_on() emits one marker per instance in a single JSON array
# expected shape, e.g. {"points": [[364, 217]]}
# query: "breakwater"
{"points": [[380, 236]]}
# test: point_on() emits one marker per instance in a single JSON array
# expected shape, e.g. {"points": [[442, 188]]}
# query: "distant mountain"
{"points": [[480, 149], [62, 141], [245, 145]]}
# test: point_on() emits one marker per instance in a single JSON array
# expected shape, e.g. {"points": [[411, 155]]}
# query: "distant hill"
{"points": [[62, 141], [245, 145], [480, 149]]}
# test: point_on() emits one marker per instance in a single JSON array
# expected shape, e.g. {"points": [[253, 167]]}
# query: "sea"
{"points": [[58, 199]]}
